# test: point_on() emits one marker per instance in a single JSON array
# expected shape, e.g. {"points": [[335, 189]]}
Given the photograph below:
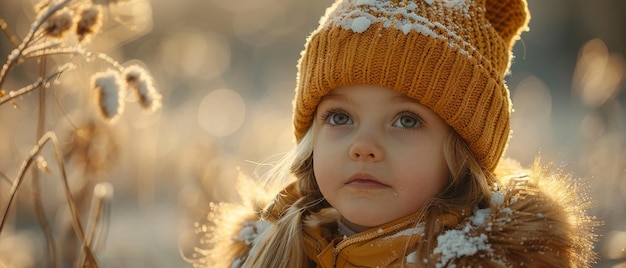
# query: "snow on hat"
{"points": [[449, 55]]}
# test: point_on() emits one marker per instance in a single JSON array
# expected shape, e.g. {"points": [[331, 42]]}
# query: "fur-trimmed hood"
{"points": [[534, 219]]}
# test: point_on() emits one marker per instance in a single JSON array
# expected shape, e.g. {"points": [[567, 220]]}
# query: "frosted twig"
{"points": [[111, 61], [35, 26], [16, 93], [57, 51], [40, 47]]}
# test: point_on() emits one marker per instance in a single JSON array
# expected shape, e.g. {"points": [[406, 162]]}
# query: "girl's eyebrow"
{"points": [[422, 109], [404, 98], [335, 96]]}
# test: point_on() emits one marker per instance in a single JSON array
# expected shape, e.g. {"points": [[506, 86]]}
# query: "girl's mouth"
{"points": [[362, 180]]}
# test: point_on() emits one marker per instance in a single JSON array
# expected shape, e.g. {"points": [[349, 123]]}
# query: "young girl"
{"points": [[401, 116]]}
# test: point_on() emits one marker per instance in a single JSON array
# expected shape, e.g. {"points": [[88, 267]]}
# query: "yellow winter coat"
{"points": [[389, 245], [532, 221]]}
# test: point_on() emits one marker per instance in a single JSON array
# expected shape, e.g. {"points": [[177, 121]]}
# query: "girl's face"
{"points": [[377, 154]]}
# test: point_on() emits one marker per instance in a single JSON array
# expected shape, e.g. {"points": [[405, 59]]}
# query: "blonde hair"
{"points": [[282, 245]]}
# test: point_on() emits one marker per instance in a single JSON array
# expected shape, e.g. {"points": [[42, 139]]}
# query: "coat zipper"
{"points": [[360, 238]]}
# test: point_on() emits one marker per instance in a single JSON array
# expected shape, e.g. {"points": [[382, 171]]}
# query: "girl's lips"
{"points": [[366, 184], [362, 180]]}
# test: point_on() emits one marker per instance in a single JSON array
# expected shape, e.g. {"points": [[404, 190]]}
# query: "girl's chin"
{"points": [[357, 227]]}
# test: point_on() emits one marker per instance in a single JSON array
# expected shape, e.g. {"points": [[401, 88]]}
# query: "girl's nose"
{"points": [[366, 148]]}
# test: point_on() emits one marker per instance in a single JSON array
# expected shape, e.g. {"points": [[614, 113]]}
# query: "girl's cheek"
{"points": [[405, 136], [334, 134]]}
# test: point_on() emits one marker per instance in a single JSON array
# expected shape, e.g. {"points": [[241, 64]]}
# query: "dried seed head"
{"points": [[109, 93], [58, 24], [142, 84], [91, 144], [89, 22]]}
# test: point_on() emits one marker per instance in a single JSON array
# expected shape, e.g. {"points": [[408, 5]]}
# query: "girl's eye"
{"points": [[339, 119], [407, 121]]}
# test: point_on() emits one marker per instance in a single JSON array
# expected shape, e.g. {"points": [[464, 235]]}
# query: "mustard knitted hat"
{"points": [[449, 55]]}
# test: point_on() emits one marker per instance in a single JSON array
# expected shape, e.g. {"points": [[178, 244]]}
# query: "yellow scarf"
{"points": [[389, 245]]}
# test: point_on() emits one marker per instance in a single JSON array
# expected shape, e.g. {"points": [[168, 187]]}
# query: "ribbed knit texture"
{"points": [[450, 55]]}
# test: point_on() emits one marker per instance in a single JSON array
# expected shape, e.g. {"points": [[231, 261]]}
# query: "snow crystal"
{"points": [[425, 30], [456, 243], [360, 24], [358, 17], [480, 216], [14, 55], [365, 2], [249, 233], [507, 211], [412, 257], [406, 28], [453, 3], [497, 198]]}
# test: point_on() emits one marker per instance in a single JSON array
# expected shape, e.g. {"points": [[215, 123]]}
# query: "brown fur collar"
{"points": [[535, 219]]}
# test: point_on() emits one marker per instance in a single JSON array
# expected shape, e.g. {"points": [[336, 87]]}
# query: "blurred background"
{"points": [[227, 70]]}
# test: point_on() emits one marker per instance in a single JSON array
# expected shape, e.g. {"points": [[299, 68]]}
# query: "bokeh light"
{"points": [[221, 112], [202, 55], [530, 121]]}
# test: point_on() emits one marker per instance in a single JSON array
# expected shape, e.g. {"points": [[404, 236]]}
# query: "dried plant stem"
{"points": [[16, 93], [48, 137], [5, 177], [97, 210], [35, 185], [8, 33], [42, 219]]}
